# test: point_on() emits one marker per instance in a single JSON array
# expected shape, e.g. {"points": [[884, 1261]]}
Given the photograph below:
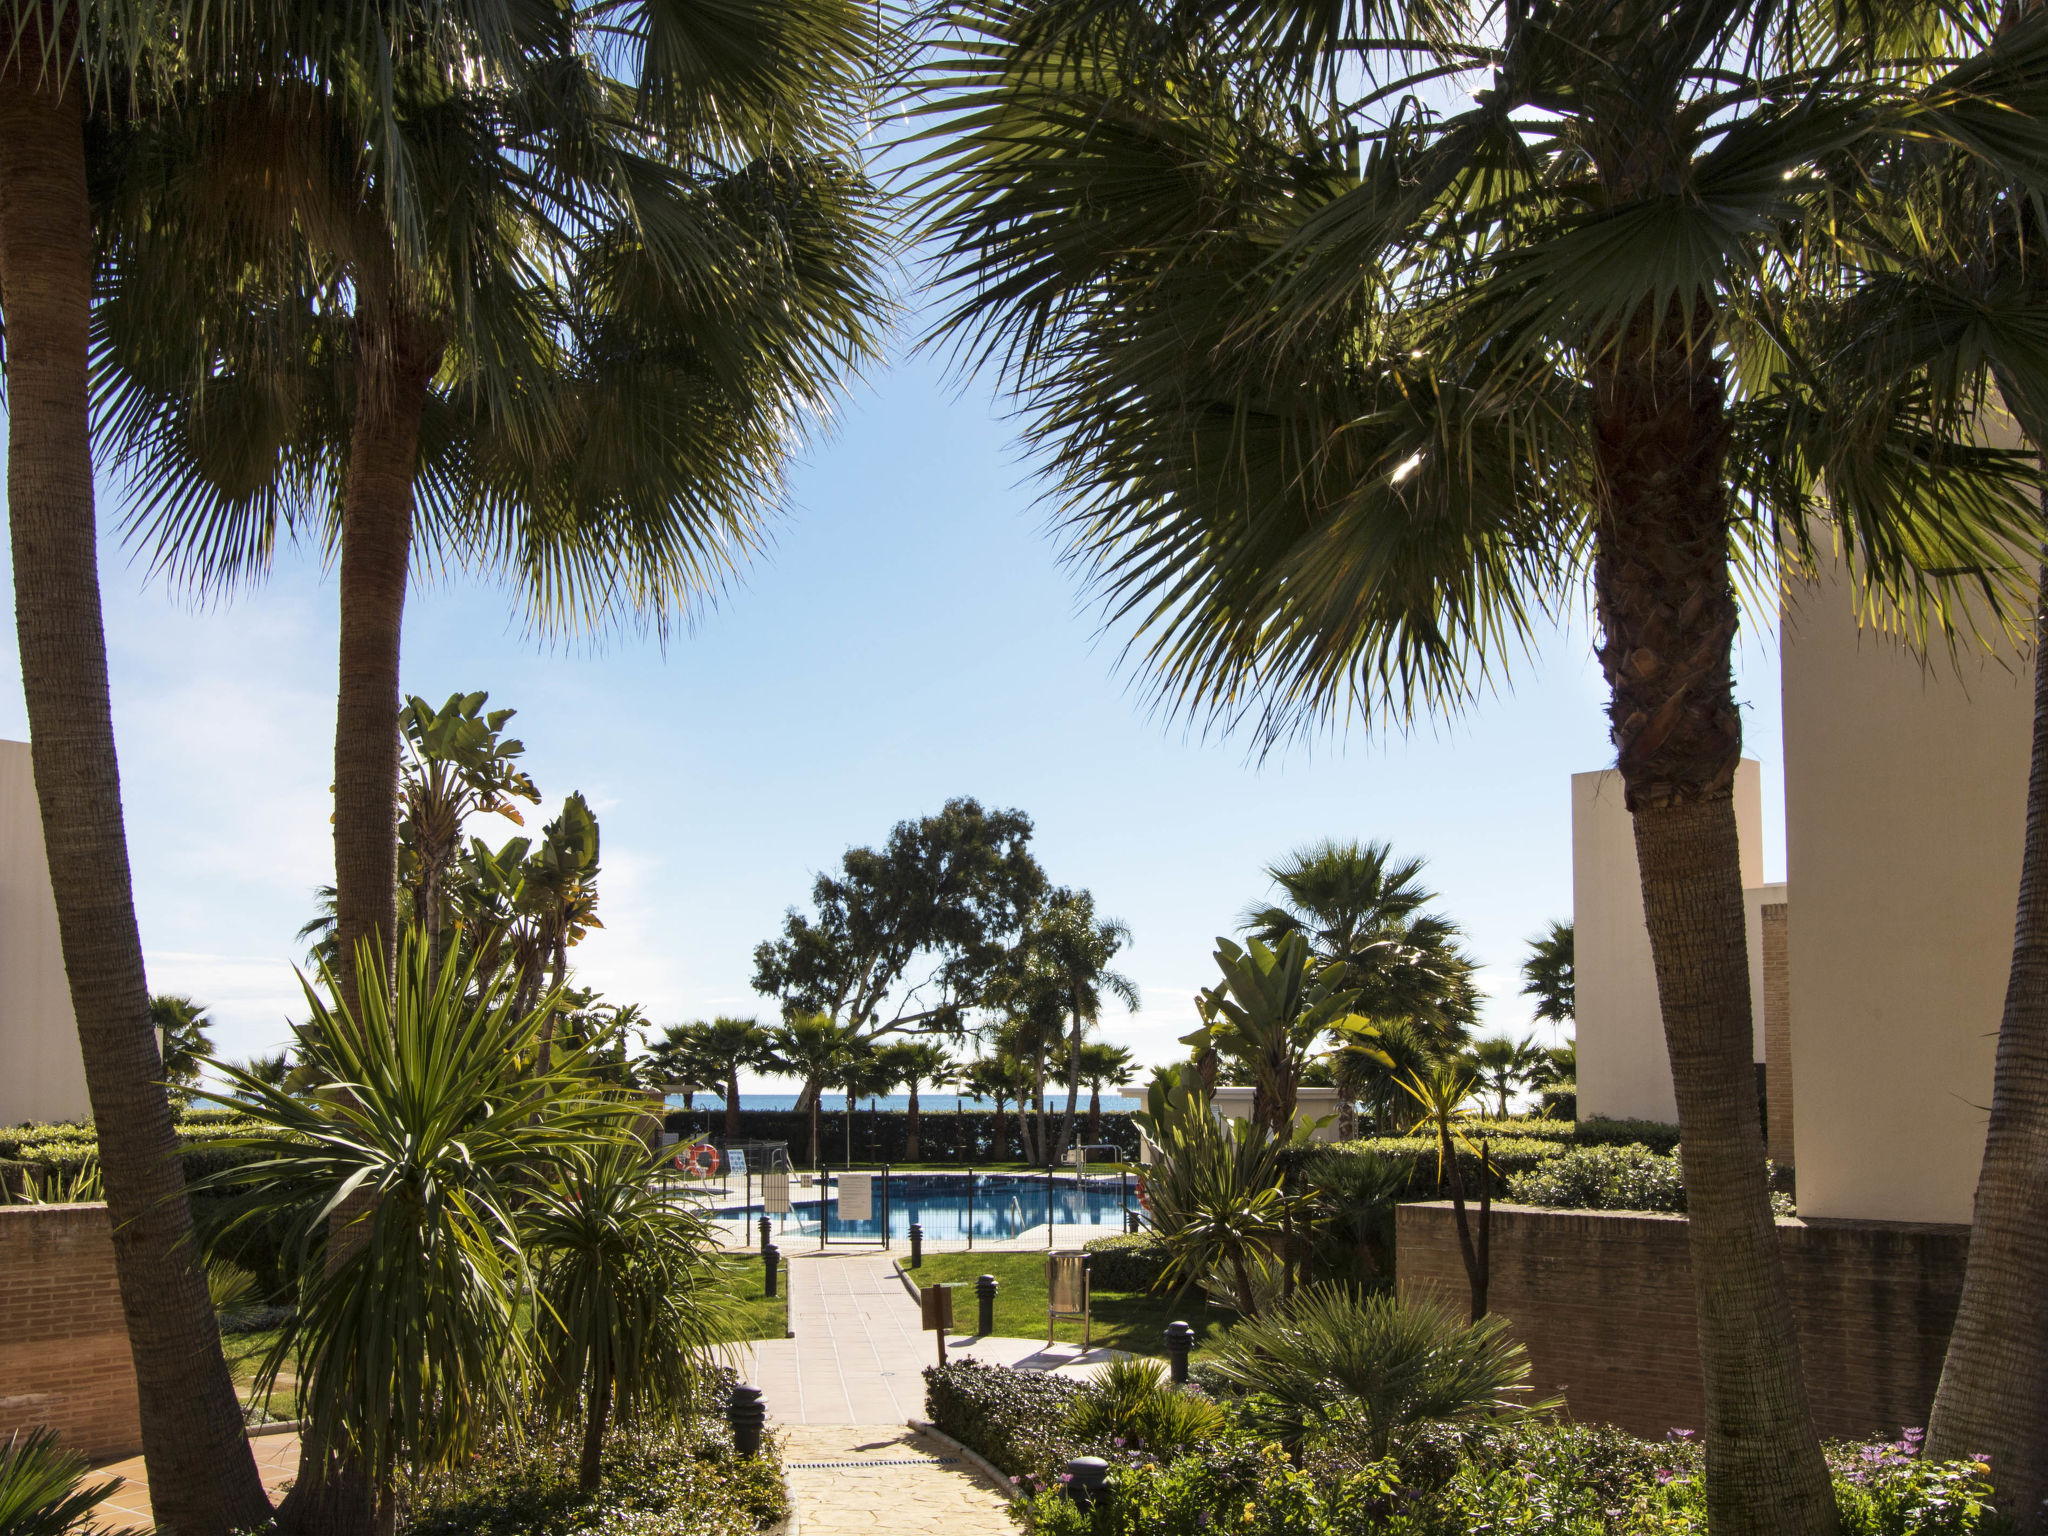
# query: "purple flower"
{"points": [[1066, 1477], [1116, 1440], [1872, 1453], [1664, 1475], [1912, 1436], [1013, 1482], [1681, 1434], [1202, 1518]]}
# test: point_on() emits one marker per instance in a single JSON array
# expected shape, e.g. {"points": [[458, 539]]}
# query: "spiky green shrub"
{"points": [[1132, 1405]]}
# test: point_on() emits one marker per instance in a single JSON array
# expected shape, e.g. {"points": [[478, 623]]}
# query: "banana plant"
{"points": [[1268, 1014]]}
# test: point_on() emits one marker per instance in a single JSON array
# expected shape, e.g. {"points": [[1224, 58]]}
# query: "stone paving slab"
{"points": [[277, 1463], [860, 1478]]}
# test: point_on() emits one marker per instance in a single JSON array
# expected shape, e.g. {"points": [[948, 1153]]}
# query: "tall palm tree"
{"points": [[1340, 388], [203, 1479], [1947, 298], [914, 1064], [1502, 1065], [1103, 1066], [1074, 948], [1549, 974], [181, 1025], [1361, 912], [538, 321], [738, 1045], [811, 1048]]}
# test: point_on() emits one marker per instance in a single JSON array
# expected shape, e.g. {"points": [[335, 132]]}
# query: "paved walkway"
{"points": [[277, 1462], [887, 1479]]}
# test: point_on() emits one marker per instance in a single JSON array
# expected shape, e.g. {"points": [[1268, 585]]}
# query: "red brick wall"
{"points": [[64, 1358], [1602, 1300]]}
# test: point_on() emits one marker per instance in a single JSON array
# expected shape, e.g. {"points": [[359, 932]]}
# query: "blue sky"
{"points": [[911, 636]]}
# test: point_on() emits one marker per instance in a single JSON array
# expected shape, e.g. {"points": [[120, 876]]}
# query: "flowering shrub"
{"points": [[1017, 1419], [1608, 1178]]}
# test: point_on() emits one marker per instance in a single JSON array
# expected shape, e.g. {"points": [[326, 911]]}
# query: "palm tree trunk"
{"points": [[1095, 1113], [732, 1102], [817, 1133], [1667, 609], [394, 363], [910, 1142], [598, 1409], [202, 1477], [1073, 1082], [1993, 1397]]}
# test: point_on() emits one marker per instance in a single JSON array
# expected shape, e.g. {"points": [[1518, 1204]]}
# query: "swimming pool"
{"points": [[955, 1206]]}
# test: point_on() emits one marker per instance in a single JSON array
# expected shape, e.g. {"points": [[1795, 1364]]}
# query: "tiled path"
{"points": [[846, 1479], [277, 1462]]}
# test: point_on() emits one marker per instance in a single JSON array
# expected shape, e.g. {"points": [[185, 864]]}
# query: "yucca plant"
{"points": [[399, 1180], [1331, 1361], [42, 1487], [628, 1307]]}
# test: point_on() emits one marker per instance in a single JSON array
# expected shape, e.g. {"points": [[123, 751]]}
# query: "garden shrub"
{"points": [[1129, 1261], [1016, 1419], [1131, 1405], [1623, 1178], [681, 1480]]}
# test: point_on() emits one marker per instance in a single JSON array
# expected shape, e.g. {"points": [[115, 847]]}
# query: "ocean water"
{"points": [[927, 1103]]}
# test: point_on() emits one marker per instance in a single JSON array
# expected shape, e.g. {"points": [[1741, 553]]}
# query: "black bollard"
{"points": [[771, 1260], [1086, 1478], [985, 1293], [748, 1416], [1180, 1338], [764, 1234], [916, 1246]]}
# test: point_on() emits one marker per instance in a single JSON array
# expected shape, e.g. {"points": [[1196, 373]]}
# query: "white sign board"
{"points": [[736, 1162], [775, 1193], [856, 1196]]}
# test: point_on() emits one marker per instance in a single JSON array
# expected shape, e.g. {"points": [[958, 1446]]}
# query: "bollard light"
{"points": [[764, 1234], [1180, 1338], [771, 1260], [748, 1416], [985, 1293], [1087, 1476], [916, 1246]]}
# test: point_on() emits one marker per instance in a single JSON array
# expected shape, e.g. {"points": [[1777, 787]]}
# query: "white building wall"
{"points": [[1905, 806], [1310, 1105], [41, 1074], [1624, 1071]]}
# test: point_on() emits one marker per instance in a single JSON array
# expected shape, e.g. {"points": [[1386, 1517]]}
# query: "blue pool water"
{"points": [[948, 1206]]}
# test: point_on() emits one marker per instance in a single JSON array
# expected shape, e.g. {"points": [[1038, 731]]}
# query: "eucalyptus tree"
{"points": [[1358, 340], [907, 936], [459, 764], [474, 299]]}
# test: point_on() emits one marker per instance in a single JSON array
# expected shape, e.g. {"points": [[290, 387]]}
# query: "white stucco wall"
{"points": [[1905, 805], [1310, 1104], [1624, 1071], [41, 1075]]}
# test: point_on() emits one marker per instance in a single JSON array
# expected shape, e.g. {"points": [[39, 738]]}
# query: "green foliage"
{"points": [[1550, 974], [1269, 1013], [1610, 1178], [666, 1480], [1130, 1403], [1329, 1361], [42, 1487], [1128, 1261], [1245, 1491], [1017, 1419]]}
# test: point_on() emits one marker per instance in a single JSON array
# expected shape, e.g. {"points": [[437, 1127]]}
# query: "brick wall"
{"points": [[64, 1358], [1603, 1302], [1777, 1035]]}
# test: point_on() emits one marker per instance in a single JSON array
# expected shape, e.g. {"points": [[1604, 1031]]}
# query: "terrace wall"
{"points": [[64, 1359], [1603, 1302]]}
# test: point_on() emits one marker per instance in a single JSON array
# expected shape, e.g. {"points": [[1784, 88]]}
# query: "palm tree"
{"points": [[1361, 913], [914, 1063], [458, 766], [1103, 1066], [1074, 947], [1000, 1076], [1503, 1065], [181, 1025], [1340, 389], [540, 321], [1548, 975], [736, 1045], [810, 1047], [683, 1061], [627, 1319], [43, 1491]]}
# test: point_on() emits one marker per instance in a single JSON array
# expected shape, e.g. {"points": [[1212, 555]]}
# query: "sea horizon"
{"points": [[928, 1103]]}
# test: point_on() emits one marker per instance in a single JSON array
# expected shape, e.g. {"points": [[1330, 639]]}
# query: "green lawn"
{"points": [[245, 1352], [751, 1315], [1129, 1320]]}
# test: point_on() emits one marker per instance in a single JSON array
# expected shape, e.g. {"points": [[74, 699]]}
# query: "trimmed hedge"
{"points": [[1629, 1178], [1016, 1419], [64, 1147], [1517, 1146], [1129, 1261]]}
